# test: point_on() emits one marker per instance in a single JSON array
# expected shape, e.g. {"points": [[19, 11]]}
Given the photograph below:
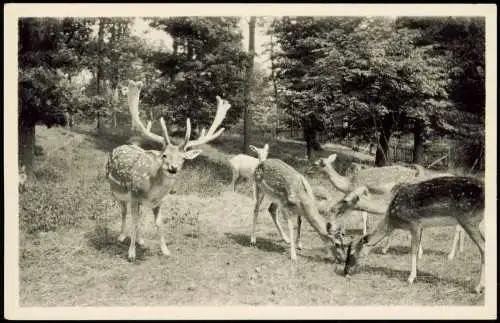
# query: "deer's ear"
{"points": [[253, 148], [332, 157], [191, 154], [266, 147]]}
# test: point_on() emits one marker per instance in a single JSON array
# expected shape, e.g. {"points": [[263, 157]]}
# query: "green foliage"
{"points": [[408, 74], [43, 96], [207, 60], [50, 205]]}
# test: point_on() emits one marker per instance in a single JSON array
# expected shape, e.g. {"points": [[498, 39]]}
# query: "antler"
{"points": [[222, 108], [134, 90]]}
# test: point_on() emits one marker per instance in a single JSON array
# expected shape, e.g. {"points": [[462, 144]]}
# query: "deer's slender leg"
{"points": [[420, 249], [135, 209], [299, 224], [140, 240], [461, 234], [234, 179], [416, 236], [158, 224], [286, 212], [259, 196], [123, 235], [383, 229], [273, 211], [478, 238], [364, 216], [387, 244], [458, 235]]}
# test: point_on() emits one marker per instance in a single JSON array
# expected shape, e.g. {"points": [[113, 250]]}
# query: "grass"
{"points": [[77, 260]]}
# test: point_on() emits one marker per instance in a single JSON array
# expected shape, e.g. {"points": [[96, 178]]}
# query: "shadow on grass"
{"points": [[105, 240], [263, 244], [406, 250], [402, 275]]}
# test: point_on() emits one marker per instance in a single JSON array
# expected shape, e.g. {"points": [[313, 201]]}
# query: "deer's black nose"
{"points": [[172, 169]]}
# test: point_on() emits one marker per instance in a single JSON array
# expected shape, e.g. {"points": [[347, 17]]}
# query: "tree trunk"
{"points": [[26, 147], [248, 84], [418, 143], [382, 154], [275, 88], [100, 44]]}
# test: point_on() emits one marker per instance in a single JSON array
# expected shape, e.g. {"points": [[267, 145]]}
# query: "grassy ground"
{"points": [[69, 254]]}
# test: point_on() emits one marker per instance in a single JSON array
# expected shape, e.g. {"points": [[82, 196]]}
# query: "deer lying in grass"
{"points": [[437, 202], [292, 194], [243, 166], [145, 177]]}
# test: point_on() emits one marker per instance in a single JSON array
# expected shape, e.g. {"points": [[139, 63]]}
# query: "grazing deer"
{"points": [[22, 178], [368, 177], [437, 202], [291, 193], [144, 177], [243, 166]]}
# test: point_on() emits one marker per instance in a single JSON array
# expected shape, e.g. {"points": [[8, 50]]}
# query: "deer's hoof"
{"points": [[384, 251], [410, 280], [122, 237], [131, 257], [141, 242], [451, 256], [479, 289], [299, 246]]}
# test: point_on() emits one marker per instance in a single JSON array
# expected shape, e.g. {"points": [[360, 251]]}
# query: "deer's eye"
{"points": [[164, 156]]}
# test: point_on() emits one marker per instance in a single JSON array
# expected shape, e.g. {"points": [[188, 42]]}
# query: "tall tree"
{"points": [[49, 48], [208, 60], [248, 83]]}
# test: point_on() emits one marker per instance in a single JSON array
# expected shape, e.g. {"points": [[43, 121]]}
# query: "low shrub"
{"points": [[47, 206]]}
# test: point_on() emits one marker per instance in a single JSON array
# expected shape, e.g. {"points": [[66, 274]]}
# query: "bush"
{"points": [[45, 206]]}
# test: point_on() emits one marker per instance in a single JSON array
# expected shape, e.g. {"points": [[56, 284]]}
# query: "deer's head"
{"points": [[323, 164], [172, 155], [261, 152], [340, 241]]}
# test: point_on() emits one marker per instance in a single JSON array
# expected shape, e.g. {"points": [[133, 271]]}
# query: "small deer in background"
{"points": [[437, 202], [145, 177], [243, 166]]}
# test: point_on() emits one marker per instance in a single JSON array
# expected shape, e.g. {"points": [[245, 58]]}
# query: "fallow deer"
{"points": [[145, 177], [292, 194], [437, 202]]}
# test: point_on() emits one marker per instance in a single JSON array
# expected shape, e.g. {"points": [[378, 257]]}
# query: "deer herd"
{"points": [[408, 199]]}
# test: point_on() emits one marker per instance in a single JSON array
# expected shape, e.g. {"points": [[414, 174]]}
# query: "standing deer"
{"points": [[291, 193], [437, 202], [243, 166], [144, 177]]}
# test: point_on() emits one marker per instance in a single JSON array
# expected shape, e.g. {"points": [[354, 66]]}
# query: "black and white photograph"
{"points": [[240, 161]]}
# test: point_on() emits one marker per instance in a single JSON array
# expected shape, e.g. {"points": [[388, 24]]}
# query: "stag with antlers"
{"points": [[144, 177]]}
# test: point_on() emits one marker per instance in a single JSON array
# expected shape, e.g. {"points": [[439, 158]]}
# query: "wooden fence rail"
{"points": [[435, 158]]}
